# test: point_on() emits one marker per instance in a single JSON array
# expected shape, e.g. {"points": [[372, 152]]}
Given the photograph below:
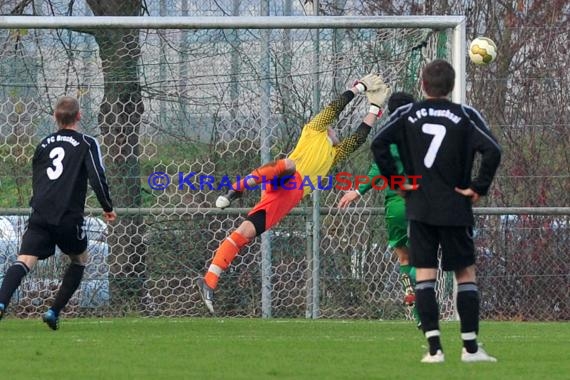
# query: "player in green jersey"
{"points": [[395, 212]]}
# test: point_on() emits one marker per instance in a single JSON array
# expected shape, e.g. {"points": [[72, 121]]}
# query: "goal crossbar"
{"points": [[230, 22]]}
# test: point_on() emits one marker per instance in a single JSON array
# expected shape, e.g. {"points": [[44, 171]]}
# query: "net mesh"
{"points": [[192, 101]]}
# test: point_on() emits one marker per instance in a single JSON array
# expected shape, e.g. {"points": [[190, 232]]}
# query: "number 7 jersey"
{"points": [[63, 163], [437, 140]]}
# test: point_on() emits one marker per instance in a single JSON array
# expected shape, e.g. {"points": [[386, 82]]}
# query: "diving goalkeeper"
{"points": [[317, 150]]}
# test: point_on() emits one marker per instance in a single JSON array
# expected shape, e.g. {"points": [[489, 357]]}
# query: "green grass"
{"points": [[214, 348]]}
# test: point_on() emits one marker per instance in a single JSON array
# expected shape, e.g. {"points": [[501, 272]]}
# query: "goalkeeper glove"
{"points": [[369, 82], [377, 98]]}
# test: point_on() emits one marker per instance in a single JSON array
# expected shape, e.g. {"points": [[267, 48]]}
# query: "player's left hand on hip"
{"points": [[469, 193]]}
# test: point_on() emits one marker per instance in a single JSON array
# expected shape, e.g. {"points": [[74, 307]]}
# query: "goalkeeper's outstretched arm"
{"points": [[376, 98], [331, 112], [348, 145]]}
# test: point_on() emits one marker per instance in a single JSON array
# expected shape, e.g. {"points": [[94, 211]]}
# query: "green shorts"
{"points": [[396, 222]]}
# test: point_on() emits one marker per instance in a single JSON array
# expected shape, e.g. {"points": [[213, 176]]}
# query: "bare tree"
{"points": [[525, 99], [521, 93], [119, 120], [521, 96]]}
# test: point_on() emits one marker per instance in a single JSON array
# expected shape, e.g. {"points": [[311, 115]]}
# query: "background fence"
{"points": [[219, 102]]}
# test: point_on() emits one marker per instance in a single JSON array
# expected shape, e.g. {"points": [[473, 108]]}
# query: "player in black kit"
{"points": [[437, 140], [62, 164]]}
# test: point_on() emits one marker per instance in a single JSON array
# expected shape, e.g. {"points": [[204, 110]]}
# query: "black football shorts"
{"points": [[457, 247], [40, 238]]}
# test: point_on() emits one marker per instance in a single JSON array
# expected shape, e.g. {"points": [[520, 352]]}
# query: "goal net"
{"points": [[213, 102]]}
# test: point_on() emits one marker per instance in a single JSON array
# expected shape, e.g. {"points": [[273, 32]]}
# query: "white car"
{"points": [[94, 289]]}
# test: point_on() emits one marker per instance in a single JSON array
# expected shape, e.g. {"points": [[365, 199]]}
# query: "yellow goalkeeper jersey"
{"points": [[314, 153]]}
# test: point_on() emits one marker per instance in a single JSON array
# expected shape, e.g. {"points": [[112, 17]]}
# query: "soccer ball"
{"points": [[482, 51]]}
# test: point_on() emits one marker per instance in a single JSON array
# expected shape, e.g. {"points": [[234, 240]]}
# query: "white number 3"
{"points": [[57, 155], [438, 131]]}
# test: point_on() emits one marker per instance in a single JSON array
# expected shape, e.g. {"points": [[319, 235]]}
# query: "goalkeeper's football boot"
{"points": [[206, 293], [439, 357], [2, 310], [225, 200], [51, 319], [480, 356]]}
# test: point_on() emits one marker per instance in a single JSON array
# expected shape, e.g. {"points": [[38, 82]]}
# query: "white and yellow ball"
{"points": [[482, 51]]}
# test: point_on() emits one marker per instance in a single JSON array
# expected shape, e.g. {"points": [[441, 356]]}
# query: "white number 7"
{"points": [[438, 131]]}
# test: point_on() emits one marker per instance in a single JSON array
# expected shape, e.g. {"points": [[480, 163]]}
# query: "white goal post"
{"points": [[168, 88]]}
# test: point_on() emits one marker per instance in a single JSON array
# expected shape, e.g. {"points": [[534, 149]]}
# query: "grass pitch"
{"points": [[214, 348]]}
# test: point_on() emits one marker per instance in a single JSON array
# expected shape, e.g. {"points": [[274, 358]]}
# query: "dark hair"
{"points": [[399, 99], [66, 111], [438, 78]]}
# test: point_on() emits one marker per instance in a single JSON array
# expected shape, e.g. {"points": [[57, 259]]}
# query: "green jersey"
{"points": [[374, 171]]}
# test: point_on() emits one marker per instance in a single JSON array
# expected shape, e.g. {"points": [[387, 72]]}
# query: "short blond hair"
{"points": [[66, 111]]}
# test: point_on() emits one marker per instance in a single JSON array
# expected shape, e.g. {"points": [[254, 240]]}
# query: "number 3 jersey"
{"points": [[437, 140], [63, 163]]}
